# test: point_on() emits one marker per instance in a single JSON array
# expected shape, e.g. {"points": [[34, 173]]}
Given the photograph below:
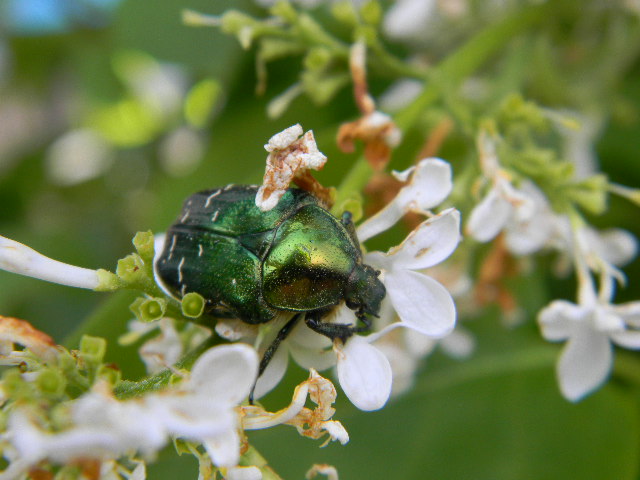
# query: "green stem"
{"points": [[355, 181], [253, 457], [128, 389]]}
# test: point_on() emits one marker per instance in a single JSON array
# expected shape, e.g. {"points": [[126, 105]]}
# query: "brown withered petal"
{"points": [[14, 330]]}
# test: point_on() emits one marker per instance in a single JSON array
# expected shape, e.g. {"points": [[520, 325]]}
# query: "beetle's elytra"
{"points": [[250, 264]]}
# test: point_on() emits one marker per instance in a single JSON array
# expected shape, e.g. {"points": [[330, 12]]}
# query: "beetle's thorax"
{"points": [[365, 291]]}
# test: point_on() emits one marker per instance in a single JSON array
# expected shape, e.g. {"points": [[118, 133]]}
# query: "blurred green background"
{"points": [[124, 69]]}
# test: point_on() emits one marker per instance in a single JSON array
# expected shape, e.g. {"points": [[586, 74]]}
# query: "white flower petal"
{"points": [[303, 336], [489, 217], [317, 358], [629, 312], [557, 320], [615, 245], [407, 18], [459, 344], [381, 221], [584, 364], [364, 374], [224, 450], [273, 373], [422, 303], [191, 417], [627, 339], [243, 473], [430, 243], [18, 258], [430, 183], [418, 344], [225, 374]]}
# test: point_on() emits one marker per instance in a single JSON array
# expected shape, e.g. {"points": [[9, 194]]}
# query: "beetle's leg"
{"points": [[335, 330], [271, 350]]}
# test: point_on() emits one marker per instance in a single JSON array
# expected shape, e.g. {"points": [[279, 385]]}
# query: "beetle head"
{"points": [[365, 291]]}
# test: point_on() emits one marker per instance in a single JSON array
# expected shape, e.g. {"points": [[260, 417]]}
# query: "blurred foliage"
{"points": [[499, 417]]}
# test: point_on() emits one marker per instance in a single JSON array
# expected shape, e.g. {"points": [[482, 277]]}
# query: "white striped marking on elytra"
{"points": [[211, 197]]}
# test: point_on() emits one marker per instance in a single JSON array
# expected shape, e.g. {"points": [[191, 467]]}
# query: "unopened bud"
{"points": [[93, 348], [51, 382], [192, 305], [143, 241], [284, 10]]}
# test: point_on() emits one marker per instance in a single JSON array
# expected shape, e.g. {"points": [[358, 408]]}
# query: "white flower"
{"points": [[421, 303], [521, 212], [532, 224], [429, 183], [164, 350], [18, 258], [601, 250], [407, 19], [589, 327], [202, 408]]}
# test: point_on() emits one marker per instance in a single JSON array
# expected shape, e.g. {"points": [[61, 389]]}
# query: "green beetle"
{"points": [[250, 264]]}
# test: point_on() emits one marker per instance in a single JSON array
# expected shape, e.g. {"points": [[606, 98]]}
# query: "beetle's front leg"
{"points": [[334, 330], [271, 350]]}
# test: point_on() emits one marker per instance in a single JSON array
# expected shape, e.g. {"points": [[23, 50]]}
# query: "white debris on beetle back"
{"points": [[291, 154]]}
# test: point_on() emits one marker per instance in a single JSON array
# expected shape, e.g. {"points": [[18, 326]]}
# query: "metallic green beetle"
{"points": [[250, 264]]}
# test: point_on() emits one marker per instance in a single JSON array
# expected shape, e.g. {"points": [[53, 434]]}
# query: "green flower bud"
{"points": [[60, 416], [131, 269], [242, 26], [312, 32], [93, 348], [591, 194], [152, 309], [371, 12], [14, 386], [109, 373], [192, 305], [276, 48], [317, 59], [345, 12], [233, 22], [143, 241], [367, 33], [51, 382], [284, 10]]}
